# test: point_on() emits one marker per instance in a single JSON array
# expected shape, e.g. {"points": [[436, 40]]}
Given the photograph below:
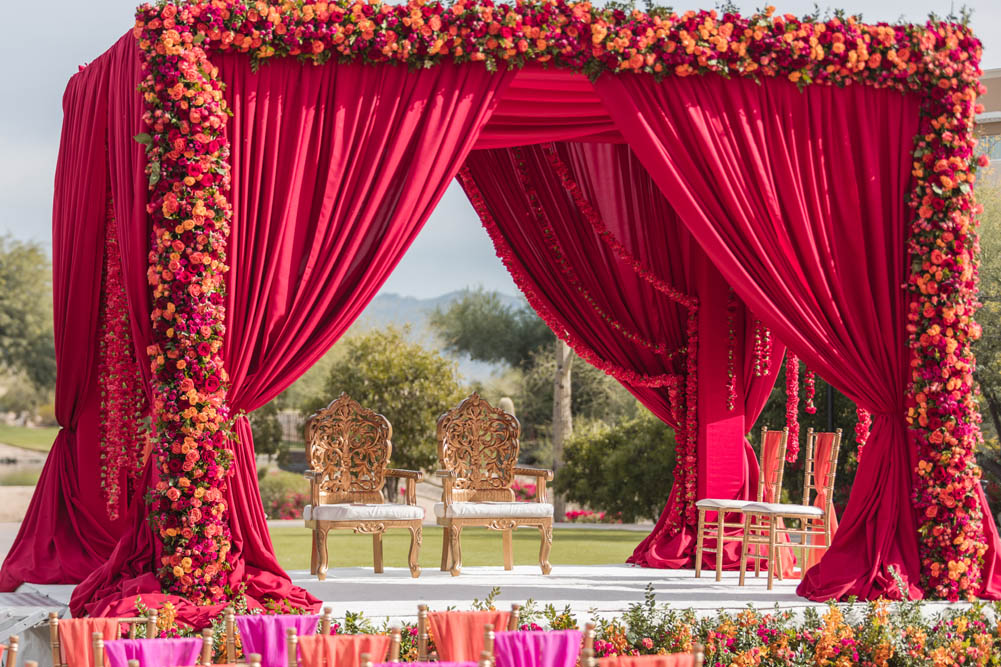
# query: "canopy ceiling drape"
{"points": [[794, 198]]}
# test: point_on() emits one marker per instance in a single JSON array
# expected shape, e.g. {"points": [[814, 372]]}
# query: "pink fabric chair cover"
{"points": [[559, 648], [266, 634], [822, 456], [154, 652], [341, 650], [426, 664], [458, 635], [76, 638], [673, 660]]}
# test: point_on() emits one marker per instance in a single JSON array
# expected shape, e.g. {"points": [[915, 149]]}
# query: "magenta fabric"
{"points": [[426, 664], [799, 197], [265, 634], [557, 648], [617, 185], [154, 652]]}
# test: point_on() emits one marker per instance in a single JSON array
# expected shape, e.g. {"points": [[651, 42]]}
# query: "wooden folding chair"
{"points": [[422, 630], [392, 655], [814, 521], [698, 656]]}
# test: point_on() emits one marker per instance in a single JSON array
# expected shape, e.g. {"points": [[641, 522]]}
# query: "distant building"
{"points": [[989, 122]]}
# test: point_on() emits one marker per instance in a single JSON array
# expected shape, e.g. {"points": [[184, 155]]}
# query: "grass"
{"points": [[36, 439], [480, 546], [26, 477]]}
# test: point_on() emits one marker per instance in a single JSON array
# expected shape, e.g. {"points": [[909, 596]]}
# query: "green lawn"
{"points": [[479, 547], [37, 439]]}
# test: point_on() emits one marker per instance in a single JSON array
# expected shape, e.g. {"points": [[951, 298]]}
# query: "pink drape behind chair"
{"points": [[799, 197], [556, 648], [166, 652], [266, 634]]}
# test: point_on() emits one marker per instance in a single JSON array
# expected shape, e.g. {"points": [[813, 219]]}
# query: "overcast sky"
{"points": [[43, 48]]}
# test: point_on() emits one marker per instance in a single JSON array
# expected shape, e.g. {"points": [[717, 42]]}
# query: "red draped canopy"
{"points": [[632, 213]]}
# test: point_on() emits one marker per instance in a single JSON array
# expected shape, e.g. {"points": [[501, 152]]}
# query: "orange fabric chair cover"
{"points": [[672, 660], [458, 635], [341, 650], [822, 456], [770, 463], [76, 638]]}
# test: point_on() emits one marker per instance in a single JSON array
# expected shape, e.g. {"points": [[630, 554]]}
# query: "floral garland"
{"points": [[863, 424], [187, 153], [731, 350], [123, 400], [792, 406], [762, 349], [810, 382]]}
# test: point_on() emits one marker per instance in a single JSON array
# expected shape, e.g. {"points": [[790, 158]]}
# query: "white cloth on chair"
{"points": [[494, 510], [359, 512]]}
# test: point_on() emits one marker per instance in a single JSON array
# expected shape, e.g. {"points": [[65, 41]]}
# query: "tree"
{"points": [[625, 468], [267, 429], [408, 383], [26, 340]]}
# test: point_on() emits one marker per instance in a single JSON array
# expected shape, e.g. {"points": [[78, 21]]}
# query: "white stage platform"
{"points": [[589, 590]]}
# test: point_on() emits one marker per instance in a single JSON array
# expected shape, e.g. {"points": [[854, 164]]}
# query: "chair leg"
{"points": [[744, 544], [313, 556], [377, 552], [455, 535], [772, 553], [757, 552], [446, 553], [720, 515], [508, 549], [321, 570], [416, 537], [699, 537], [546, 531]]}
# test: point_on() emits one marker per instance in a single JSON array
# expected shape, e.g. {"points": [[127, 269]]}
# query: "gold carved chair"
{"points": [[478, 452], [348, 454], [772, 453], [814, 520]]}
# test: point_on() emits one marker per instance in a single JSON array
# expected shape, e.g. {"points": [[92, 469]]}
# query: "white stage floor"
{"points": [[602, 590]]}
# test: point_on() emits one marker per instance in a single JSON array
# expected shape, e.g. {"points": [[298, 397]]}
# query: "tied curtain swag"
{"points": [[597, 301]]}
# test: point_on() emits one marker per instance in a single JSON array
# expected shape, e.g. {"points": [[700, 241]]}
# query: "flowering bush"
{"points": [[189, 178], [523, 492], [587, 516], [289, 506]]}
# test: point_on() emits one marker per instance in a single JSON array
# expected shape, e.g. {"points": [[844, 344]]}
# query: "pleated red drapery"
{"points": [[598, 301], [335, 170], [799, 197]]}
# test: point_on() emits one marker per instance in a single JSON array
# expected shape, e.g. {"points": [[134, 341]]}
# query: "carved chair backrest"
{"points": [[821, 448], [348, 447], [479, 443], [772, 456]]}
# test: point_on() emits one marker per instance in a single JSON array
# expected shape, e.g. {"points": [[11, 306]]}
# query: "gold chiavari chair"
{"points": [[772, 453], [10, 654], [422, 630], [814, 521], [229, 624], [55, 644], [205, 653], [392, 655]]}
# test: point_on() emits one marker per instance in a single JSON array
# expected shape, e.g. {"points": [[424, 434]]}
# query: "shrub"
{"points": [[284, 495], [624, 470]]}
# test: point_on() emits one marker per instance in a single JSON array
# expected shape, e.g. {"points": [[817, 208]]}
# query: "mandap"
{"points": [[682, 198]]}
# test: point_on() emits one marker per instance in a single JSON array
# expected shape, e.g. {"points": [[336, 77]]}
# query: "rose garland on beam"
{"points": [[938, 60]]}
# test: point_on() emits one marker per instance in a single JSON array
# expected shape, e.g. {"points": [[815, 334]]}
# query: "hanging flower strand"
{"points": [[762, 349], [810, 383], [862, 426], [792, 406], [731, 350]]}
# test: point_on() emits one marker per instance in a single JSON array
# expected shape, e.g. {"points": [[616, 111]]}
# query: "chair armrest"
{"points": [[314, 477], [415, 475], [404, 474], [447, 478], [534, 472], [311, 474]]}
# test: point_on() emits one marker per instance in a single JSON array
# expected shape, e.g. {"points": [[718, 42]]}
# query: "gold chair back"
{"points": [[479, 443], [811, 484], [348, 450], [772, 455]]}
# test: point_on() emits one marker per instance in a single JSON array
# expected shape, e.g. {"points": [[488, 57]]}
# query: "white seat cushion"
{"points": [[358, 512], [494, 510], [722, 503], [782, 508]]}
